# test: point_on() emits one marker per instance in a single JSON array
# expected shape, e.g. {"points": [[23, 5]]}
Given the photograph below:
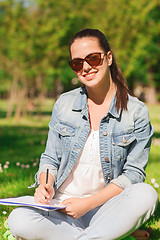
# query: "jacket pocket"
{"points": [[66, 134], [121, 144]]}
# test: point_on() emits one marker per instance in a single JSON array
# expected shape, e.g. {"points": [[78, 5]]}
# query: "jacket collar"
{"points": [[80, 103], [113, 110], [81, 100]]}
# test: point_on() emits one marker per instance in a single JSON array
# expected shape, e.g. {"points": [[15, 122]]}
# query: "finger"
{"points": [[44, 192], [66, 202], [51, 193], [49, 188], [63, 210], [40, 195], [38, 199]]}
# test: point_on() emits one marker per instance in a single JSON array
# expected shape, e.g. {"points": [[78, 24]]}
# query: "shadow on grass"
{"points": [[34, 113], [155, 232], [156, 134]]}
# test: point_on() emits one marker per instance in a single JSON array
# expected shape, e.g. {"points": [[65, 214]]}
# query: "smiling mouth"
{"points": [[89, 75]]}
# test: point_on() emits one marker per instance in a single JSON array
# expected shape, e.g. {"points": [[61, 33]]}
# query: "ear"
{"points": [[109, 58]]}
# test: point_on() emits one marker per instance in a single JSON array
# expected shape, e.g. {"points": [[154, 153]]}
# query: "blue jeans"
{"points": [[116, 219]]}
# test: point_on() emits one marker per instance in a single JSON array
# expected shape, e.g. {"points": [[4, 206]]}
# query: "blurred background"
{"points": [[34, 71], [34, 39]]}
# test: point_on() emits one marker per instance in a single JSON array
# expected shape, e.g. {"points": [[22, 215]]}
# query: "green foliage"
{"points": [[36, 35], [133, 29]]}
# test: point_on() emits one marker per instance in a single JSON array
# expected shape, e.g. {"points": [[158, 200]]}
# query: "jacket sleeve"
{"points": [[52, 156], [138, 152]]}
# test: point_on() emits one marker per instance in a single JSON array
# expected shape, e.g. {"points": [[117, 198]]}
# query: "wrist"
{"points": [[91, 203], [42, 179]]}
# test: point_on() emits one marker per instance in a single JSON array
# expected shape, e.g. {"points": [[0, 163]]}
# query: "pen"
{"points": [[47, 175], [47, 178]]}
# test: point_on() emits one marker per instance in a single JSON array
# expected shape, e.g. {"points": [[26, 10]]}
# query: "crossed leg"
{"points": [[116, 219]]}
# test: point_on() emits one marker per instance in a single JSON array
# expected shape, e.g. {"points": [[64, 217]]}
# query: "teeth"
{"points": [[89, 74]]}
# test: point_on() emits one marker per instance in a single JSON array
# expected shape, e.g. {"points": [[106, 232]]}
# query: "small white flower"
{"points": [[156, 185], [7, 163], [34, 164], [5, 166], [153, 180], [4, 212], [18, 164], [27, 166], [22, 165], [1, 170]]}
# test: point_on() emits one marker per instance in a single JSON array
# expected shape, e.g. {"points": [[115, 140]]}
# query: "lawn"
{"points": [[22, 143]]}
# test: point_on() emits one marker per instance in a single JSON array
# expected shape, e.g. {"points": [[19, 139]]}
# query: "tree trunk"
{"points": [[150, 95], [12, 98], [20, 103], [150, 91]]}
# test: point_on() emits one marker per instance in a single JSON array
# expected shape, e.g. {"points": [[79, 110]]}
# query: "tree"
{"points": [[34, 49]]}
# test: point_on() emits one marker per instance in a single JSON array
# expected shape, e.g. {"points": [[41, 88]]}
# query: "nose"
{"points": [[86, 67]]}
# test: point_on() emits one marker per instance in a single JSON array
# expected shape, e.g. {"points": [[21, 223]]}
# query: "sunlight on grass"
{"points": [[154, 113], [23, 142]]}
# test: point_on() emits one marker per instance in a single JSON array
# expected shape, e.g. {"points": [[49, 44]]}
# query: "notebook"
{"points": [[29, 201]]}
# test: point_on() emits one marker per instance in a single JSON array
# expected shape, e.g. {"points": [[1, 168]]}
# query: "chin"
{"points": [[89, 83]]}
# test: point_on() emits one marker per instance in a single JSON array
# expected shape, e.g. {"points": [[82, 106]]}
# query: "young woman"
{"points": [[97, 150]]}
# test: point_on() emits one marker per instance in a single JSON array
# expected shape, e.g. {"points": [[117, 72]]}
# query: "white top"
{"points": [[86, 177]]}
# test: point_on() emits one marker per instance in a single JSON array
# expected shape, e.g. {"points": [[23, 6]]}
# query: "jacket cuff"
{"points": [[122, 181], [43, 168]]}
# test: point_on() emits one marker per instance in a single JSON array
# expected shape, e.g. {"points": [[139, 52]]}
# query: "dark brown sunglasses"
{"points": [[93, 59]]}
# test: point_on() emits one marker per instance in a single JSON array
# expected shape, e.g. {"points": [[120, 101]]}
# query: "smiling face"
{"points": [[91, 76]]}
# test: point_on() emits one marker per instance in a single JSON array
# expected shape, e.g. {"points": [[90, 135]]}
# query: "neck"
{"points": [[103, 93]]}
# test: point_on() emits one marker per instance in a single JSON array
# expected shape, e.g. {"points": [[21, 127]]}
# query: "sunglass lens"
{"points": [[76, 64], [94, 59]]}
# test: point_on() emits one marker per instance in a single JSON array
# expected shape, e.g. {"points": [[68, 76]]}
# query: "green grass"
{"points": [[19, 145], [24, 141]]}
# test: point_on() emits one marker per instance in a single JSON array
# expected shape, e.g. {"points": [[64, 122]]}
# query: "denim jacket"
{"points": [[124, 138]]}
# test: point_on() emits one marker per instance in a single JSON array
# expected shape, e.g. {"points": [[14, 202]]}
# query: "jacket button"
{"points": [[104, 133], [108, 179], [64, 130], [107, 159], [107, 118]]}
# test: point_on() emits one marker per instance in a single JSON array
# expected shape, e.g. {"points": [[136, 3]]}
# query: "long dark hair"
{"points": [[116, 74]]}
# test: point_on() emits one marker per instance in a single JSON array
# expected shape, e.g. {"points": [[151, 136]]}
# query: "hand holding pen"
{"points": [[45, 191]]}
